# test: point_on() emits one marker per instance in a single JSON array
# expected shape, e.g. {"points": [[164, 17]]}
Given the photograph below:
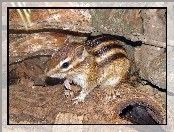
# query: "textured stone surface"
{"points": [[126, 21], [154, 24], [155, 71], [151, 67], [146, 53], [38, 40], [170, 72]]}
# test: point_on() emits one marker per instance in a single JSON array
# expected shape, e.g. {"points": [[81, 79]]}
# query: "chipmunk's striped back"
{"points": [[102, 62], [106, 49]]}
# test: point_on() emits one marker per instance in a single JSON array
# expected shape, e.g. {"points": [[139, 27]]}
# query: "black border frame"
{"points": [[8, 8]]}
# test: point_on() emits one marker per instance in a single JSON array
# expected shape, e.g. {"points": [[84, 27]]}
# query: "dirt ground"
{"points": [[48, 105]]}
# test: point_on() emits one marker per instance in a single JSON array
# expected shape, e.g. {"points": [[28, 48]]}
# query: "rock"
{"points": [[155, 71], [154, 22], [170, 75], [145, 54]]}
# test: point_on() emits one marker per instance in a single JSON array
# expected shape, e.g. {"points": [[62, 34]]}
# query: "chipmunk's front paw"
{"points": [[68, 93], [70, 90], [111, 93], [80, 98]]}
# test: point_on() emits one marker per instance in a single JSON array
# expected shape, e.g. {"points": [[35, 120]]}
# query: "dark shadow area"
{"points": [[138, 114]]}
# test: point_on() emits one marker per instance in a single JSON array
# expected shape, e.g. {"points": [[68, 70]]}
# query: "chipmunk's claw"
{"points": [[68, 93], [111, 93], [80, 98]]}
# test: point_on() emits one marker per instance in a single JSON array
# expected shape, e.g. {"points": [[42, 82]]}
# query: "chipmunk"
{"points": [[100, 62]]}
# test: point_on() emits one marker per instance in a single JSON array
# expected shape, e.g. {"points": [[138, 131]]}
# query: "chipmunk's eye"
{"points": [[65, 65]]}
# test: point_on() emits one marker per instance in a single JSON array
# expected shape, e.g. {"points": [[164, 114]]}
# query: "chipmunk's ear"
{"points": [[81, 53]]}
